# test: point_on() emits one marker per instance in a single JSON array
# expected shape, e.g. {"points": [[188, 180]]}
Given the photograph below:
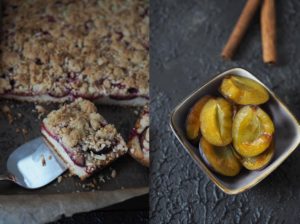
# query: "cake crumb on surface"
{"points": [[101, 179], [7, 111], [90, 185], [25, 131], [113, 173], [66, 175], [59, 179], [43, 160], [40, 110]]}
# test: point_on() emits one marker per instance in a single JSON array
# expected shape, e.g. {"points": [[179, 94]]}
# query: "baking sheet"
{"points": [[18, 205], [26, 126], [47, 208]]}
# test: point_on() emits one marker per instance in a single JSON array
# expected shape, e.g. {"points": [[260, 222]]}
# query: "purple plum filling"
{"points": [[133, 90], [63, 93], [106, 150], [66, 90], [66, 93], [86, 96], [50, 19], [77, 157], [118, 85], [133, 133], [25, 94]]}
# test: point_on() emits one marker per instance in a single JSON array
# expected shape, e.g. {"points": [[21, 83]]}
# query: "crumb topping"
{"points": [[85, 133], [82, 48], [40, 110]]}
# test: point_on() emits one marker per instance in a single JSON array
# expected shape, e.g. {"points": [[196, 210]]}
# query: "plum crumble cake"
{"points": [[82, 138], [138, 144], [61, 50]]}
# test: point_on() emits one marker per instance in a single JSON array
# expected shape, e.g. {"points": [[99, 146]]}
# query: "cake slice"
{"points": [[81, 138], [139, 140]]}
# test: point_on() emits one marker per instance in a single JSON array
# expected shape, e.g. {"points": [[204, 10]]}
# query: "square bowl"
{"points": [[287, 134]]}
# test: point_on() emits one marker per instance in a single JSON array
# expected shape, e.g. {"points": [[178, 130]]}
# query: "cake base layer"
{"points": [[64, 157], [136, 151], [105, 100]]}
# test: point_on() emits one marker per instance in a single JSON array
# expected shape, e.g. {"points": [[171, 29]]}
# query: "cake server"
{"points": [[32, 165]]}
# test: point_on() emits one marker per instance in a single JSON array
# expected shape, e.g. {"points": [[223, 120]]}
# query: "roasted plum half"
{"points": [[257, 162], [243, 91], [192, 123], [220, 159], [252, 131], [216, 121]]}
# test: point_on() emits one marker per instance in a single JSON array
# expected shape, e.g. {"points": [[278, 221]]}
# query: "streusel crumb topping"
{"points": [[82, 130], [83, 48]]}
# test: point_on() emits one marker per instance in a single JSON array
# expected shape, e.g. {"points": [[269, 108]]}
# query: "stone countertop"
{"points": [[186, 41]]}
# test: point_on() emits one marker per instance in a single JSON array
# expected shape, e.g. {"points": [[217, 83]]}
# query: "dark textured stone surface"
{"points": [[186, 40]]}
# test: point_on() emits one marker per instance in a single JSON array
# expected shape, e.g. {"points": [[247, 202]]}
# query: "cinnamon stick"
{"points": [[268, 31], [240, 28]]}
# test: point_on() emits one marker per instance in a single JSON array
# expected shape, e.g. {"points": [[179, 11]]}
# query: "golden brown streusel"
{"points": [[82, 131], [80, 48]]}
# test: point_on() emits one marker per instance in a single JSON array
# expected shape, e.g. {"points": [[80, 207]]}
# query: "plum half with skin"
{"points": [[252, 131], [243, 91], [220, 159], [260, 161], [216, 121], [192, 123]]}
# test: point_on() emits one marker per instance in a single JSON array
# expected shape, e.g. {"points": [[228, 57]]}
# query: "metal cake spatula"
{"points": [[33, 165]]}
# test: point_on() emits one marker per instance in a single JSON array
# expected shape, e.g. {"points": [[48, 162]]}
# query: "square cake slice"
{"points": [[81, 138], [139, 140]]}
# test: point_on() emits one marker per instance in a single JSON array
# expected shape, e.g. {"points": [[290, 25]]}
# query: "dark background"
{"points": [[186, 41], [133, 211]]}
